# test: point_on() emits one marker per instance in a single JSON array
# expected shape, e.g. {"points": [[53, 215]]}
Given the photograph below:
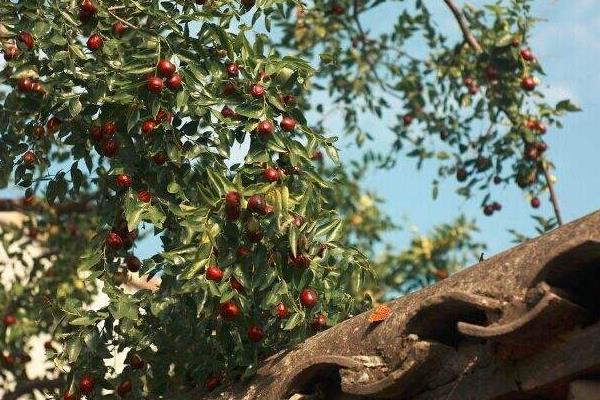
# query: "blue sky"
{"points": [[569, 50], [567, 46]]}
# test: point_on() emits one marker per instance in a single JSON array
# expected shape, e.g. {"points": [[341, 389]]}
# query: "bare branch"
{"points": [[545, 170], [64, 208], [553, 196], [464, 26], [129, 24], [363, 41], [29, 387]]}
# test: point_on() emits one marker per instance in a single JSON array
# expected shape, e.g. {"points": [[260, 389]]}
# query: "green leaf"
{"points": [[266, 279], [133, 116], [207, 197], [60, 56], [333, 153], [74, 106], [90, 259], [40, 28], [156, 216], [285, 200], [328, 227], [271, 298], [181, 99], [274, 100], [124, 309], [293, 239], [219, 182], [298, 64], [504, 40], [68, 18], [58, 40], [214, 289], [250, 111], [336, 233], [259, 188], [77, 177], [134, 209], [76, 50], [326, 58], [83, 321], [293, 321], [73, 349], [51, 191], [225, 42], [25, 71], [173, 187], [566, 105]]}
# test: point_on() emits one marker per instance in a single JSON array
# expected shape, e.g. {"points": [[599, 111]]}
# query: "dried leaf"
{"points": [[381, 313]]}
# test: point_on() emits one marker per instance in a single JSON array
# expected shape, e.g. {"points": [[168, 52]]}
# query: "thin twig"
{"points": [[553, 196], [363, 40], [544, 167], [63, 208], [464, 26], [129, 24]]}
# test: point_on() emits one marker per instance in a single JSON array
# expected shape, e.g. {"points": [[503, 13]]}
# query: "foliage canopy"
{"points": [[187, 120]]}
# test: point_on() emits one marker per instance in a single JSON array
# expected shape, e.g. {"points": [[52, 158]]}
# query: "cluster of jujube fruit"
{"points": [[166, 77], [527, 174], [103, 127]]}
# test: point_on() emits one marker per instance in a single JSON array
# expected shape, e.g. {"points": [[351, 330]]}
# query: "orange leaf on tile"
{"points": [[380, 313]]}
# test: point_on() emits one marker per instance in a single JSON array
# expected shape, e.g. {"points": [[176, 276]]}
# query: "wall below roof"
{"points": [[11, 270]]}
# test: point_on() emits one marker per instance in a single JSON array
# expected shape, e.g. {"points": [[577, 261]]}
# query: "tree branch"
{"points": [[544, 167], [33, 385], [363, 41], [553, 196], [464, 26], [129, 24], [64, 208]]}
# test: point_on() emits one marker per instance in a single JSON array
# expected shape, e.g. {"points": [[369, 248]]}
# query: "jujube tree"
{"points": [[186, 120]]}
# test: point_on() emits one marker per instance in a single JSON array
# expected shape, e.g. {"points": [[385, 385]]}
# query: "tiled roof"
{"points": [[522, 325]]}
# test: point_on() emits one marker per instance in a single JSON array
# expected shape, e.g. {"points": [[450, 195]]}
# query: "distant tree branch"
{"points": [[370, 63], [553, 196], [464, 26], [29, 387], [546, 171], [63, 208]]}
